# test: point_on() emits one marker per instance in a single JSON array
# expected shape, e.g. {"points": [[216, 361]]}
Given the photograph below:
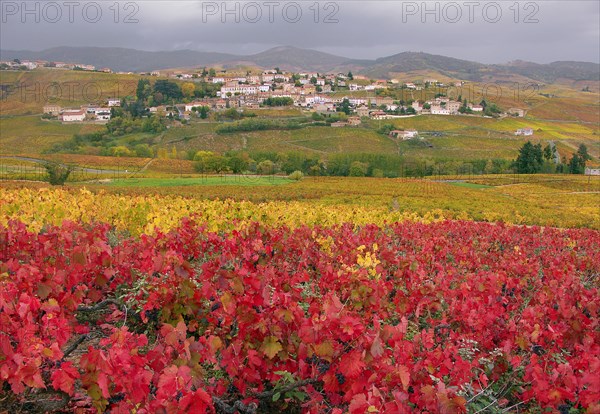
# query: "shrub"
{"points": [[296, 175], [377, 173], [57, 173]]}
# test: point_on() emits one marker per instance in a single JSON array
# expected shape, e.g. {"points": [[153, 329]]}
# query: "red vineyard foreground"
{"points": [[443, 317]]}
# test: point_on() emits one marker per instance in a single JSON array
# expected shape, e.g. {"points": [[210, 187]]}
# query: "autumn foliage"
{"points": [[409, 317]]}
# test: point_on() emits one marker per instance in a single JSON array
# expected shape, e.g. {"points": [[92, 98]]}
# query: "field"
{"points": [[354, 295], [144, 287]]}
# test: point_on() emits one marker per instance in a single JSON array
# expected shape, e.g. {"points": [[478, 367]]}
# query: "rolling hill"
{"points": [[293, 58]]}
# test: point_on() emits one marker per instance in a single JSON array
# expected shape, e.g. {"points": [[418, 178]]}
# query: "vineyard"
{"points": [[164, 304]]}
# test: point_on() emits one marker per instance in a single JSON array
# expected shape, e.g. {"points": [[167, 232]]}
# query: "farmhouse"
{"points": [[453, 106], [114, 102], [524, 131], [362, 111], [52, 109], [404, 135], [353, 120], [378, 115], [73, 115], [189, 106], [417, 106], [516, 112], [476, 108], [439, 110], [592, 171], [103, 114]]}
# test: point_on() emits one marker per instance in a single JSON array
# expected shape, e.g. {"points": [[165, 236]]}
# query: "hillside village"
{"points": [[323, 94]]}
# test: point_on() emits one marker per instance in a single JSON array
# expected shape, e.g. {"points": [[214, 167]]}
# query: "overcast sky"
{"points": [[483, 31]]}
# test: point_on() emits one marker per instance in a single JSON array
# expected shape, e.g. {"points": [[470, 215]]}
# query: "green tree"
{"points": [[358, 169], [350, 76], [583, 153], [266, 167], [169, 90], [530, 159], [344, 107], [57, 173], [578, 160], [144, 90], [203, 111], [548, 152]]}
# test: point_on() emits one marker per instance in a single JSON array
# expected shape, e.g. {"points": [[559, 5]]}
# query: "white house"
{"points": [[404, 135], [476, 108], [114, 102], [357, 101], [103, 115], [524, 131], [52, 109], [189, 106], [592, 171], [239, 89], [73, 115], [362, 111], [439, 110]]}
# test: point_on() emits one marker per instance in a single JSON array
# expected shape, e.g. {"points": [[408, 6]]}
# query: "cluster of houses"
{"points": [[97, 113], [34, 64]]}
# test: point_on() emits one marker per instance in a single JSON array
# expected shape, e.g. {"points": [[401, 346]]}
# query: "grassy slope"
{"points": [[566, 116]]}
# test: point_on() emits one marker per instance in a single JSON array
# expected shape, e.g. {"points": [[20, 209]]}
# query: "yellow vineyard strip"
{"points": [[143, 214]]}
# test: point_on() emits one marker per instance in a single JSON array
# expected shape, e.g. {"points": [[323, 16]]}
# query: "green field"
{"points": [[209, 180], [469, 185]]}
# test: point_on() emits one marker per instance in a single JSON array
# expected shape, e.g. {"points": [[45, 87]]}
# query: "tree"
{"points": [[238, 163], [57, 173], [344, 107], [169, 90], [203, 111], [576, 164], [358, 169], [530, 159], [143, 90], [212, 73], [350, 76], [578, 160], [188, 89], [548, 152], [583, 153], [265, 167]]}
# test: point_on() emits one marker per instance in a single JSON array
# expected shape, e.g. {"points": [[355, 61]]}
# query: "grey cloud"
{"points": [[565, 31]]}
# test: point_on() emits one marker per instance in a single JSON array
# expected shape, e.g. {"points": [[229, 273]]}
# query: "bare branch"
{"points": [[100, 305]]}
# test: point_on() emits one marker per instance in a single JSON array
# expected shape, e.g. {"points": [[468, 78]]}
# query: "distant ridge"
{"points": [[294, 58], [120, 59]]}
